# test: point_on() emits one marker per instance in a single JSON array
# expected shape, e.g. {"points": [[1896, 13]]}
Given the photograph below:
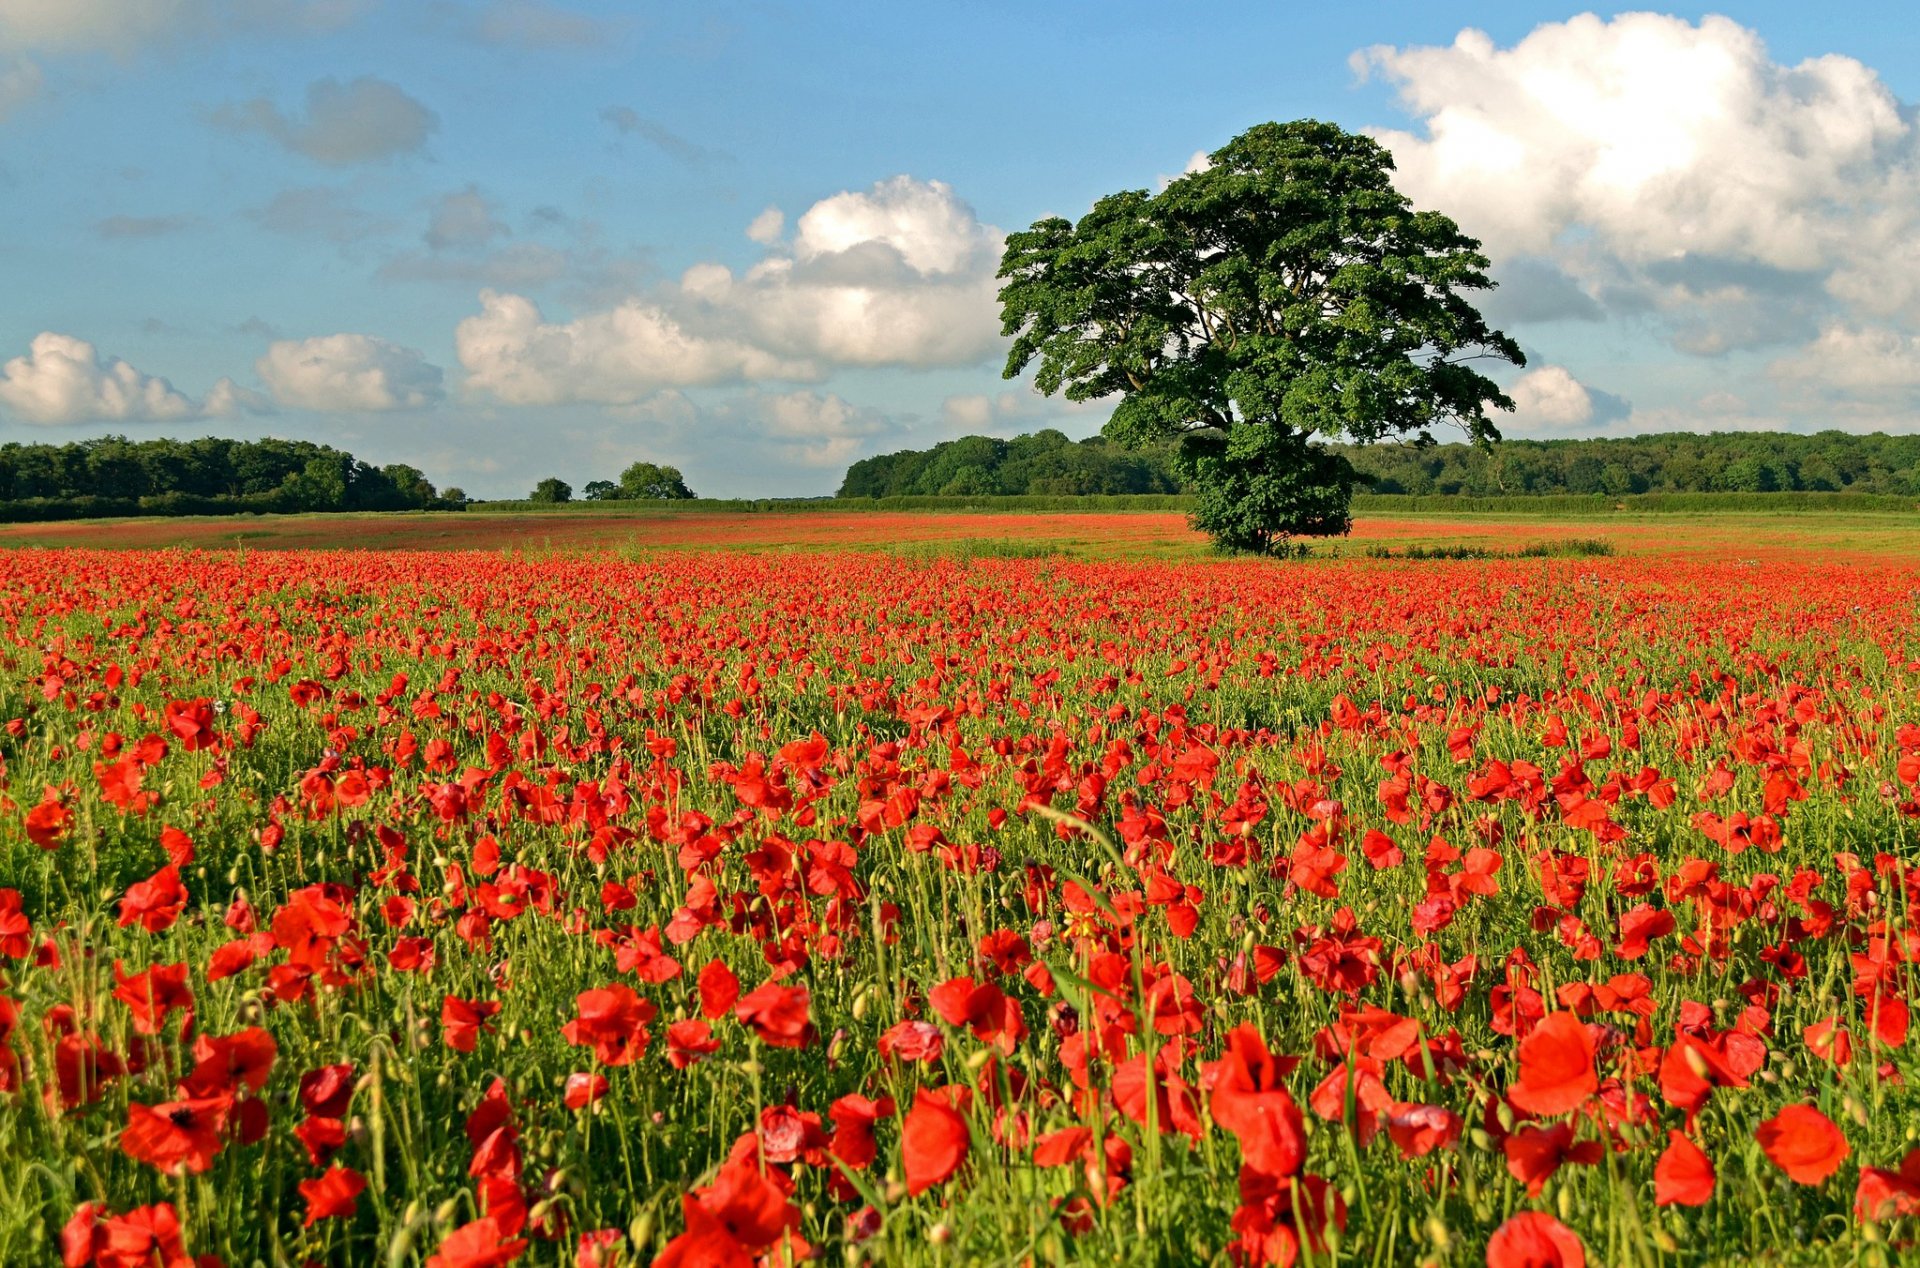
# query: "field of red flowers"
{"points": [[455, 910]]}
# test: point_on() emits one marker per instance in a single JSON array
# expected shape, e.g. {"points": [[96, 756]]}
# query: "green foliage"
{"points": [[1672, 462], [1043, 463], [112, 475], [1288, 289], [652, 481], [551, 489]]}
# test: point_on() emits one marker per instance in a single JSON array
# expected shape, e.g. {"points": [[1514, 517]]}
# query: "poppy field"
{"points": [[455, 909]]}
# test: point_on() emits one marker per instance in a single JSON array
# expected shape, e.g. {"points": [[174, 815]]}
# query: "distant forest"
{"points": [[116, 476], [1047, 462]]}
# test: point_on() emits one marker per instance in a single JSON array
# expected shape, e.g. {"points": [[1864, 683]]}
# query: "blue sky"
{"points": [[505, 240]]}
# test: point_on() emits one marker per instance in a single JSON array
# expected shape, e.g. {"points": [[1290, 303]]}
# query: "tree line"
{"points": [[1667, 462], [112, 475], [1047, 462]]}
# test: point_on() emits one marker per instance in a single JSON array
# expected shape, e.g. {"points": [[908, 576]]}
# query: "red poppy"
{"points": [[1886, 1195], [16, 933], [1247, 1099], [690, 1042], [719, 989], [148, 1237], [231, 1062], [47, 823], [1556, 1066], [1684, 1175], [155, 903], [1533, 1239], [933, 1141], [481, 1244], [583, 1090], [462, 1021], [327, 1090], [334, 1196], [152, 994], [611, 1020], [1804, 1143], [176, 1136], [778, 1015]]}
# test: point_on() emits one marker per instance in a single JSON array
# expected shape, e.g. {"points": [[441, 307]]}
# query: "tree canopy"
{"points": [[112, 475], [1046, 462], [1286, 292]]}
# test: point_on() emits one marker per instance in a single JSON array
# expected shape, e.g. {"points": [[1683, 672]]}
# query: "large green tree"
{"points": [[1286, 292]]}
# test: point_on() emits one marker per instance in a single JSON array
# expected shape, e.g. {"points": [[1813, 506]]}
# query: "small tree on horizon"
{"points": [[1284, 294], [649, 480], [551, 489]]}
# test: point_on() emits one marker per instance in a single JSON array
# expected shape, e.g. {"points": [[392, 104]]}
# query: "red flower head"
{"points": [[463, 1020], [933, 1141], [334, 1196], [1684, 1175], [176, 1136], [1533, 1239], [613, 1022], [1556, 1066], [778, 1014], [1804, 1143], [155, 903], [152, 994]]}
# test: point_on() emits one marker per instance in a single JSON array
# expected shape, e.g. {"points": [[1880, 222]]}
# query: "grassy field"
{"points": [[1780, 532], [951, 889]]}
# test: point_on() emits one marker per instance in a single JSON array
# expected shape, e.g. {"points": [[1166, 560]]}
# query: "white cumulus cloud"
{"points": [[348, 373], [615, 357], [63, 379], [899, 274], [1648, 164]]}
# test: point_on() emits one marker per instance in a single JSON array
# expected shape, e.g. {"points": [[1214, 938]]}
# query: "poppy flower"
{"points": [[778, 1015], [152, 994], [16, 932], [333, 1196], [611, 1020], [583, 1090], [933, 1141], [178, 1135], [1804, 1143], [228, 1063], [719, 989], [462, 1021], [1533, 1239], [481, 1244], [155, 903], [325, 1092], [1886, 1195], [690, 1042], [1556, 1066], [743, 1213], [142, 1238], [1684, 1175]]}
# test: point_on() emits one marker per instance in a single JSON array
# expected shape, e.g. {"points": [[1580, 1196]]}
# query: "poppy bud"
{"points": [[640, 1232], [1437, 1232], [940, 1234], [1565, 1203], [444, 1213]]}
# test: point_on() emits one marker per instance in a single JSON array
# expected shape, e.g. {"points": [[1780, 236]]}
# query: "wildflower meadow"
{"points": [[457, 909]]}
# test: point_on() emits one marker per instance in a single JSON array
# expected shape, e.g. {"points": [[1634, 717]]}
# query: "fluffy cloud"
{"points": [[1009, 412], [362, 121], [62, 379], [900, 274], [348, 373], [815, 430], [1873, 362], [1551, 399], [616, 357], [1646, 164]]}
